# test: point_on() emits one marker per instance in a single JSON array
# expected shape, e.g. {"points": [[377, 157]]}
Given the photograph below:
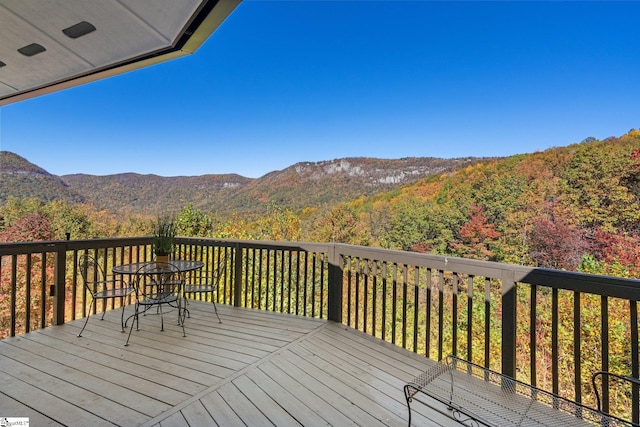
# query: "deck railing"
{"points": [[551, 329]]}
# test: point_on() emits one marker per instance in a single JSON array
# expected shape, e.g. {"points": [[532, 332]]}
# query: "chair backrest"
{"points": [[215, 276], [92, 273], [218, 273], [158, 282]]}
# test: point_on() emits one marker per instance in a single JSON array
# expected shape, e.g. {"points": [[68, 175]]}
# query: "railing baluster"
{"points": [[604, 339], [384, 301], [470, 318], [554, 340], [416, 306], [454, 314], [297, 280], [533, 320], [440, 314], [289, 279], [404, 304], [334, 266], [245, 289], [487, 322], [27, 314], [305, 285], [394, 303], [365, 299], [270, 269], [314, 264], [577, 345], [349, 299], [427, 332], [357, 293], [374, 302], [635, 362], [43, 289], [14, 286], [260, 276]]}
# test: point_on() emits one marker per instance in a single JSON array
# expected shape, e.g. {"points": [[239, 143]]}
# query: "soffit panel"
{"points": [[126, 30], [167, 16], [5, 90], [22, 71], [121, 31]]}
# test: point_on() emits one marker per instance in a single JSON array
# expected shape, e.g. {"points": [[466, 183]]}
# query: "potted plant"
{"points": [[164, 232]]}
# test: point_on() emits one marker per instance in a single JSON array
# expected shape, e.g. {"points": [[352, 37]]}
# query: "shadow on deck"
{"points": [[256, 368]]}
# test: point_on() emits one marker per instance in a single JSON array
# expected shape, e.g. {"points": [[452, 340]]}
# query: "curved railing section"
{"points": [[551, 329]]}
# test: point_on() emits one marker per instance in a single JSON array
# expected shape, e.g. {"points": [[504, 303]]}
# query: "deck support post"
{"points": [[237, 276], [334, 302], [59, 277], [508, 324]]}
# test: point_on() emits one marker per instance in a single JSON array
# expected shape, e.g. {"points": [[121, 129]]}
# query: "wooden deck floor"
{"points": [[256, 368]]}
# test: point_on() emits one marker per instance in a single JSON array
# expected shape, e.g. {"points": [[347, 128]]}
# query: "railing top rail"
{"points": [[259, 244], [18, 248]]}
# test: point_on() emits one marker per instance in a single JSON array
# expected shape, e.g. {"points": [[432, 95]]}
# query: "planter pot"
{"points": [[162, 260]]}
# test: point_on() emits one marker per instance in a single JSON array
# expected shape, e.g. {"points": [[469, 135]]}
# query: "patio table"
{"points": [[183, 265], [164, 288]]}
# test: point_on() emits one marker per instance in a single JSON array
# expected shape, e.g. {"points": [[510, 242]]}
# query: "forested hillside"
{"points": [[153, 194], [321, 184], [20, 178], [574, 207]]}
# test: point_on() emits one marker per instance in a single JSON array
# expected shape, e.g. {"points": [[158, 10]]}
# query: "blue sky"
{"points": [[282, 82]]}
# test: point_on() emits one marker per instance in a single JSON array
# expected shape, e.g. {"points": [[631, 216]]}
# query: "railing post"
{"points": [[334, 302], [237, 277], [59, 276], [508, 324]]}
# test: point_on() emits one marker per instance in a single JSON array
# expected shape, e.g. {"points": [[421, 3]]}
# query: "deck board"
{"points": [[255, 368], [10, 408], [218, 408], [303, 394]]}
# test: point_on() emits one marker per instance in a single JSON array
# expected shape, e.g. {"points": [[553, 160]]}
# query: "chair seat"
{"points": [[192, 289], [159, 300], [114, 293]]}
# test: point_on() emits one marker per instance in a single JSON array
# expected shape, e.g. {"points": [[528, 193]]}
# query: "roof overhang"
{"points": [[47, 46]]}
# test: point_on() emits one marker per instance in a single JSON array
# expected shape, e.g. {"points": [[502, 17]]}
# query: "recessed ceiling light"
{"points": [[78, 30], [32, 49]]}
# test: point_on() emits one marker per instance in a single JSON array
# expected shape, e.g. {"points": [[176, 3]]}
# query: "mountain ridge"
{"points": [[301, 185]]}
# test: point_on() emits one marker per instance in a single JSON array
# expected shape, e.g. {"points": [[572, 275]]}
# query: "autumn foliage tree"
{"points": [[556, 243], [31, 227], [476, 237]]}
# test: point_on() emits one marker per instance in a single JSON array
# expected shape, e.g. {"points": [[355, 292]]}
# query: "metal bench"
{"points": [[478, 396]]}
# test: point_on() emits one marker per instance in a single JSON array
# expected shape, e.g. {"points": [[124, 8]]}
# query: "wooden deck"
{"points": [[256, 368]]}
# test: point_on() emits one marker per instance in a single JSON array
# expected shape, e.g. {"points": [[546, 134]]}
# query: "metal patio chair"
{"points": [[204, 285], [157, 286], [101, 286]]}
